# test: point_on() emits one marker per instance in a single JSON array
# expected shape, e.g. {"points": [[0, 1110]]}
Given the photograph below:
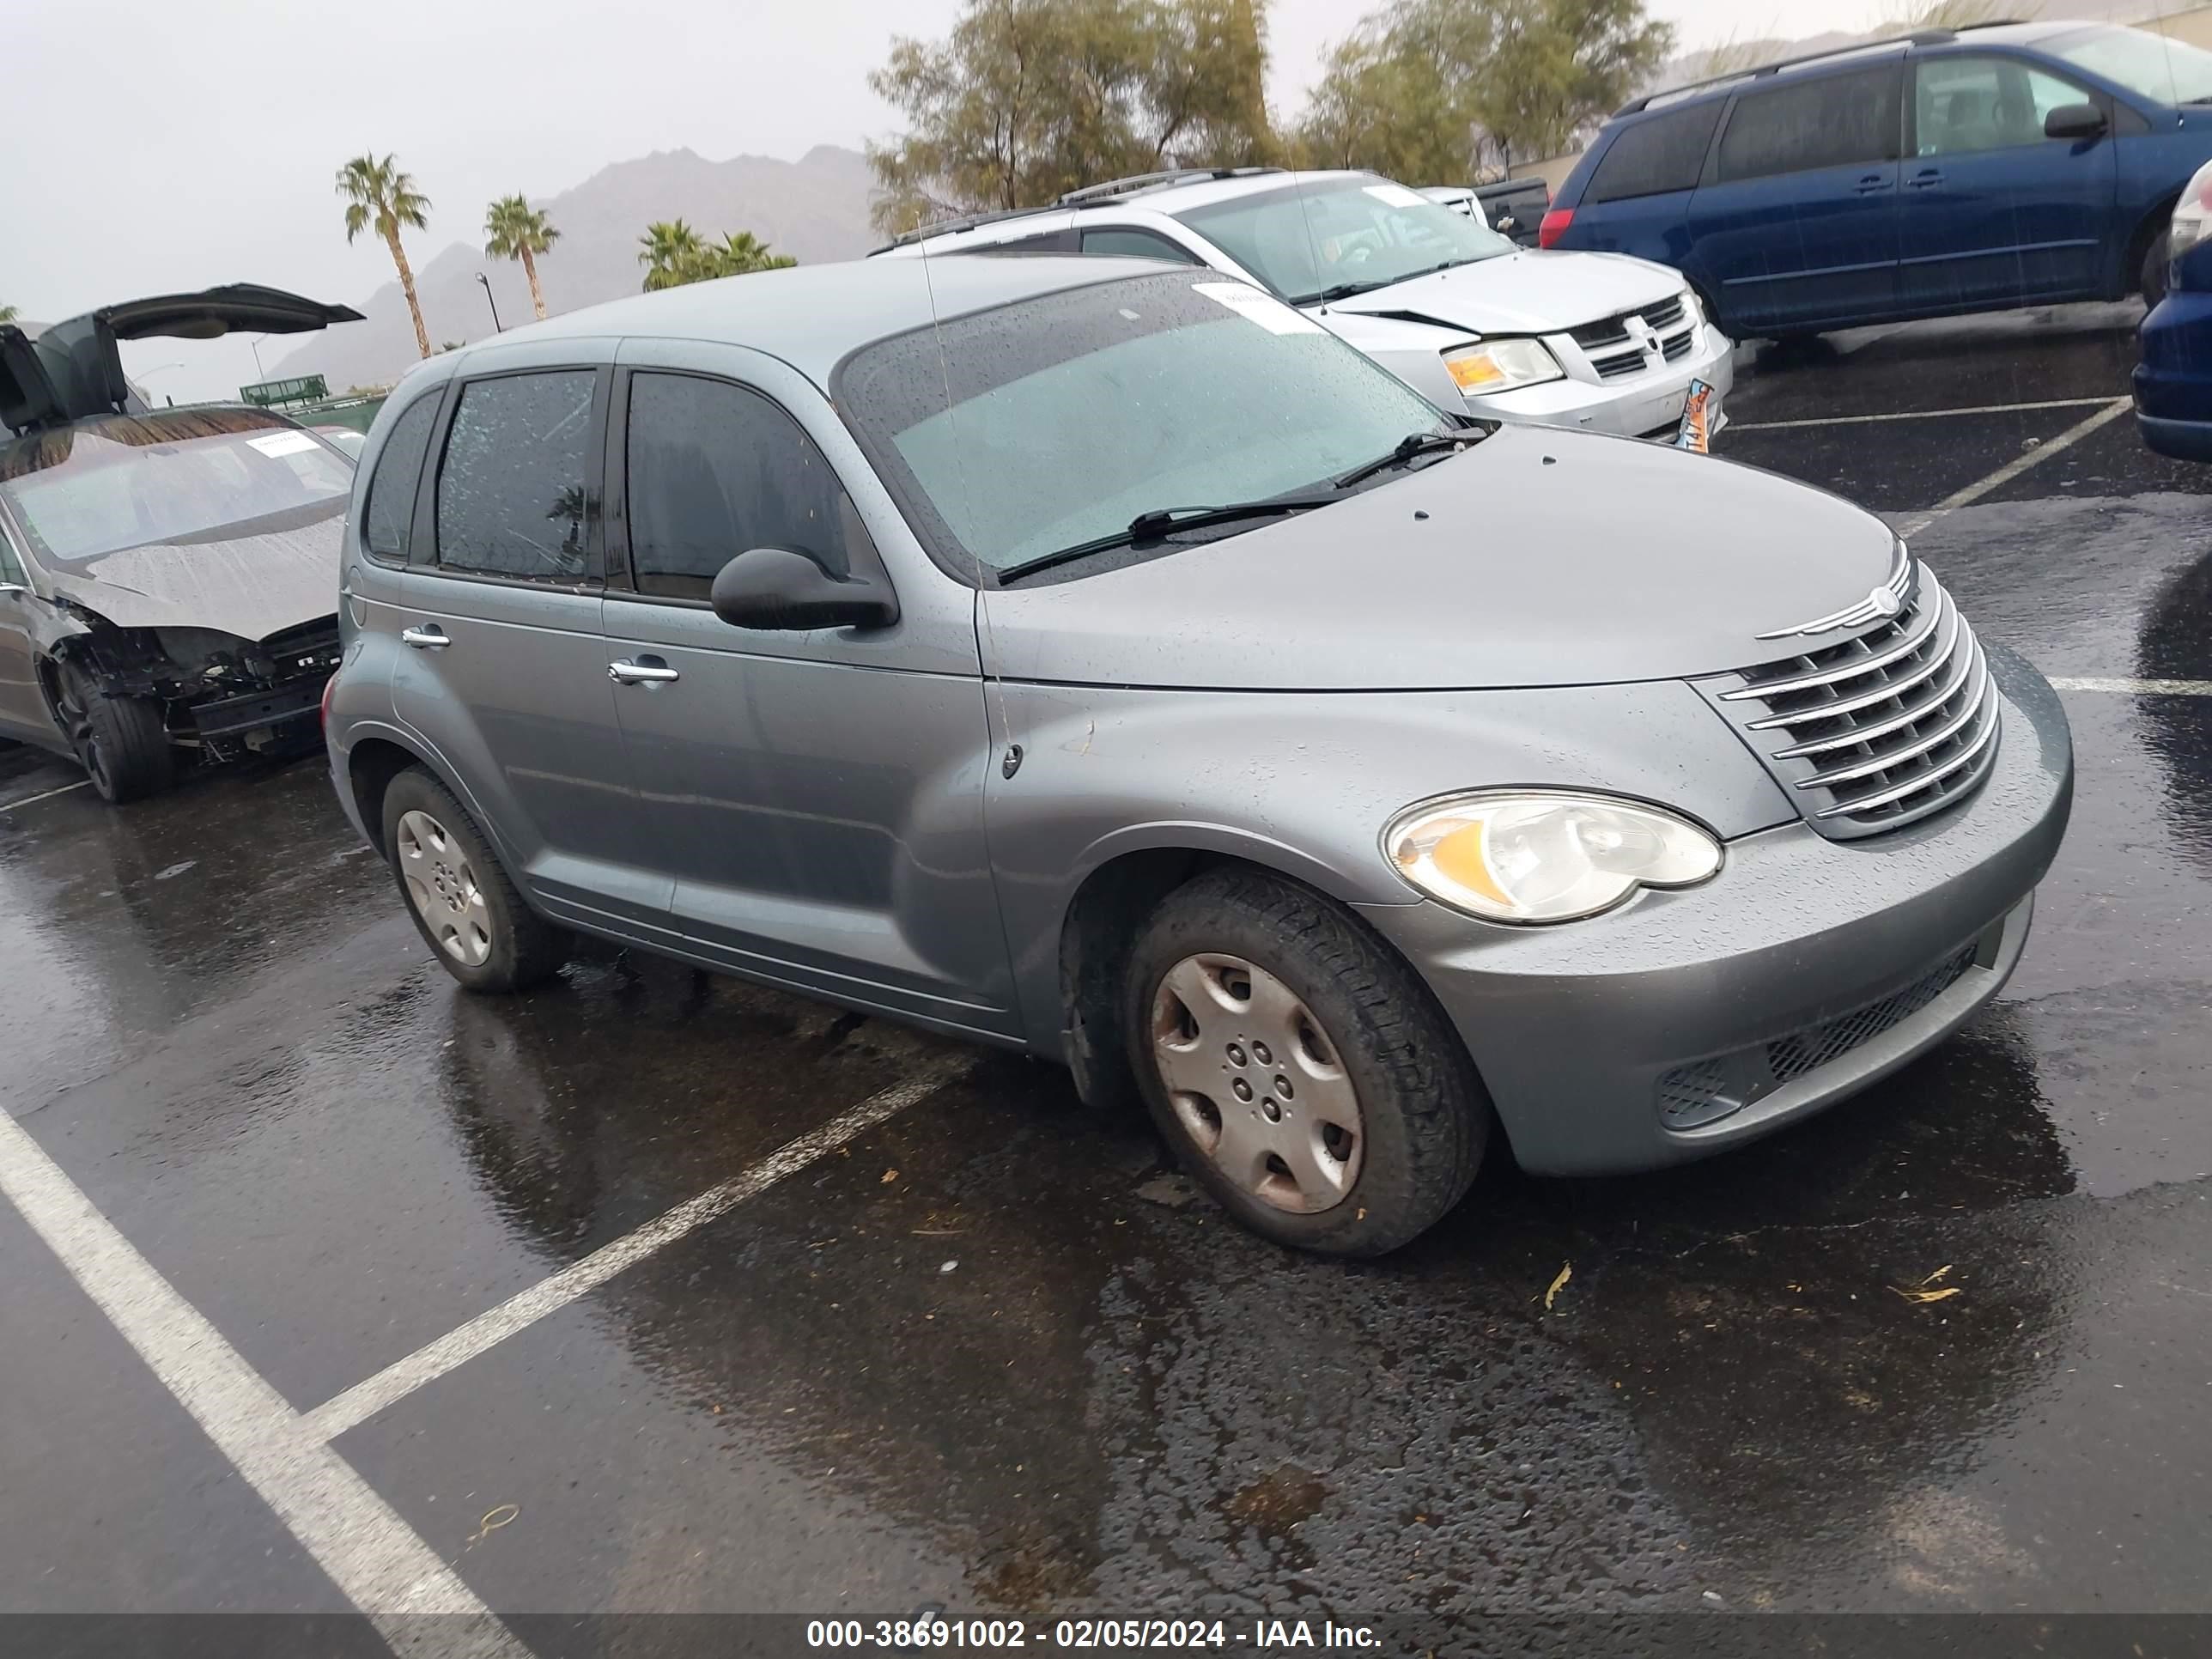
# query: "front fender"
{"points": [[1303, 783]]}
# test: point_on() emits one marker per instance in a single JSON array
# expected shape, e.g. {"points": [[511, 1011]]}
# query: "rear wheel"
{"points": [[2152, 278], [122, 743], [466, 909], [1300, 1071]]}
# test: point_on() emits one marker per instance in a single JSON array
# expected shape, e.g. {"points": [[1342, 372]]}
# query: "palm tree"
{"points": [[518, 231], [741, 251], [379, 196], [671, 256]]}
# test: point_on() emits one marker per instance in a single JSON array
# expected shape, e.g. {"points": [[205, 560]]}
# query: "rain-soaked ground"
{"points": [[985, 1356]]}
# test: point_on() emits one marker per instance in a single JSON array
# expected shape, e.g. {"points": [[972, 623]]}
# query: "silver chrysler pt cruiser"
{"points": [[1100, 659]]}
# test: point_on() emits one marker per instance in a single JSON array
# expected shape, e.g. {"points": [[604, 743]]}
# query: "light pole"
{"points": [[496, 327], [259, 373]]}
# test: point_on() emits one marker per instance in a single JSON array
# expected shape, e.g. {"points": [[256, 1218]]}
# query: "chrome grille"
{"points": [[1886, 727], [1612, 367], [1614, 331]]}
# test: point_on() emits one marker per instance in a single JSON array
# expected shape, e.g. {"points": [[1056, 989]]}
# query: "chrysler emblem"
{"points": [[1880, 604]]}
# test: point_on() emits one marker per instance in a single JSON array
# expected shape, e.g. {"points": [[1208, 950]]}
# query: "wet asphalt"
{"points": [[989, 1356]]}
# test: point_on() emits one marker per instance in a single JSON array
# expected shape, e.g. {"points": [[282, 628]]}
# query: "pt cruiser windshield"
{"points": [[1164, 397]]}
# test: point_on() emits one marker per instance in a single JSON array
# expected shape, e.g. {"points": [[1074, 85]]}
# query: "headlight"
{"points": [[1502, 366], [1530, 856], [2192, 214]]}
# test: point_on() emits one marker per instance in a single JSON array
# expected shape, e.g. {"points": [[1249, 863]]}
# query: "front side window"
{"points": [[2148, 65], [1051, 423], [1837, 120], [388, 515], [1961, 105], [1660, 154], [513, 489], [1331, 238], [715, 470], [1134, 243], [179, 477], [11, 568]]}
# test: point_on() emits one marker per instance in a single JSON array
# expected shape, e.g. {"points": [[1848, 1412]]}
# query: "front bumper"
{"points": [[1648, 405], [2173, 383], [1584, 1034]]}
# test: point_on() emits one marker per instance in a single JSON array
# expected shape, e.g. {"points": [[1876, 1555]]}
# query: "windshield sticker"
{"points": [[1397, 196], [1269, 312], [283, 443]]}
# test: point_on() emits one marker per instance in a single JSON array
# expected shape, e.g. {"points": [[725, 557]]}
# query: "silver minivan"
{"points": [[1105, 661]]}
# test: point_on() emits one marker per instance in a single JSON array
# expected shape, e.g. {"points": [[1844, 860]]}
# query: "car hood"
{"points": [[1539, 558], [1534, 292], [252, 580]]}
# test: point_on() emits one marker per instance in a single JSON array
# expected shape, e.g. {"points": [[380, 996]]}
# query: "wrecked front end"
{"points": [[224, 695]]}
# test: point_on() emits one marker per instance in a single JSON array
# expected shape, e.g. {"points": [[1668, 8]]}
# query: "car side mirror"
{"points": [[2075, 121], [773, 587]]}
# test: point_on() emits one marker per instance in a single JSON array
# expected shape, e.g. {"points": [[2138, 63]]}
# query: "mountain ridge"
{"points": [[815, 209]]}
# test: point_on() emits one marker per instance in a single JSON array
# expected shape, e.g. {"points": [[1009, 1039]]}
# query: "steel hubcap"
{"points": [[441, 885], [1257, 1083]]}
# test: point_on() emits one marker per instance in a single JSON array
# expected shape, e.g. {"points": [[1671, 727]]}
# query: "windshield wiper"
{"points": [[1345, 290], [1412, 444], [1165, 521]]}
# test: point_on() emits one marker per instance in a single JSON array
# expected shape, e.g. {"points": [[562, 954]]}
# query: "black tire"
{"points": [[1425, 1118], [519, 947], [2152, 277], [122, 743]]}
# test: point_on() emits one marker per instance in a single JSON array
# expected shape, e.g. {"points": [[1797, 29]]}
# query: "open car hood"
{"points": [[73, 369]]}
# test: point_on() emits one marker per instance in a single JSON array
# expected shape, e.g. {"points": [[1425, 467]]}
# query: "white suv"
{"points": [[1599, 342]]}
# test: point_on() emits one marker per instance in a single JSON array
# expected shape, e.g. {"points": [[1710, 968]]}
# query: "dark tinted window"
{"points": [[1665, 153], [511, 494], [1137, 245], [715, 470], [1835, 121], [389, 512], [1053, 241]]}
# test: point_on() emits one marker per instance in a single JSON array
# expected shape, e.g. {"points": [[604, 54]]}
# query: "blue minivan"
{"points": [[1950, 171]]}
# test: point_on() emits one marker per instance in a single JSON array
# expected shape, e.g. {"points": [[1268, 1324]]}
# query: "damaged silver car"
{"points": [[166, 577]]}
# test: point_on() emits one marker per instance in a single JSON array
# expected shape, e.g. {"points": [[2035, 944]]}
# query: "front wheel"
{"points": [[1301, 1071], [122, 743]]}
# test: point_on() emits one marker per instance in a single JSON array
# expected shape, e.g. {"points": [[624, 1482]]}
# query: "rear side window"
{"points": [[1837, 120], [389, 511], [1137, 245], [715, 470], [512, 491], [1664, 153]]}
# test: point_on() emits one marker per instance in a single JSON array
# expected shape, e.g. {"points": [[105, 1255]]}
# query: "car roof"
{"points": [[1930, 42], [814, 316]]}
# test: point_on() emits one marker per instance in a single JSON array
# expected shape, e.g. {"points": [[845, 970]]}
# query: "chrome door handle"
{"points": [[624, 671], [432, 638]]}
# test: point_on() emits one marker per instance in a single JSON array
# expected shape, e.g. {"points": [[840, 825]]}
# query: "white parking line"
{"points": [[2020, 463], [2136, 688], [32, 800], [378, 1563], [1913, 415], [526, 1308]]}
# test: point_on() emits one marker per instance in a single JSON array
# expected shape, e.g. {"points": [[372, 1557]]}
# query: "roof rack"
{"points": [[1918, 38], [1111, 189], [1130, 186], [962, 221]]}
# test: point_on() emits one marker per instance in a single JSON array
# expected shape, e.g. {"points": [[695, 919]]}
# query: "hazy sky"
{"points": [[159, 146]]}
